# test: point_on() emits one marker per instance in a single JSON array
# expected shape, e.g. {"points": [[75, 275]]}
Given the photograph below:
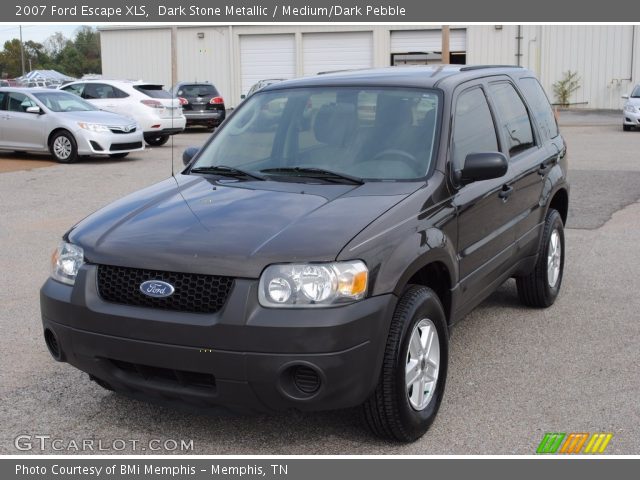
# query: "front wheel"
{"points": [[156, 140], [63, 147], [541, 287], [414, 370]]}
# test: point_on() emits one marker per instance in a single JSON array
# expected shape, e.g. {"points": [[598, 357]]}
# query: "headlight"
{"points": [[629, 108], [93, 127], [65, 262], [313, 284]]}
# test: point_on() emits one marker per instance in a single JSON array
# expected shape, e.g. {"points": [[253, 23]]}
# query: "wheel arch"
{"points": [[56, 131], [560, 202]]}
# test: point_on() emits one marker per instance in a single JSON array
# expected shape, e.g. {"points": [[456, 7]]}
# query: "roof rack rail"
{"points": [[480, 67]]}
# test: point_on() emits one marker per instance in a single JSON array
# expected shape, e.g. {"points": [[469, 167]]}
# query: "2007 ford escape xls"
{"points": [[316, 251]]}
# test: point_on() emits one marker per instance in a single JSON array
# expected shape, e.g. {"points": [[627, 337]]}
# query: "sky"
{"points": [[37, 33]]}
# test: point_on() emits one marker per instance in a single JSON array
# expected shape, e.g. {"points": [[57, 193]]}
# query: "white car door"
{"points": [[106, 97]]}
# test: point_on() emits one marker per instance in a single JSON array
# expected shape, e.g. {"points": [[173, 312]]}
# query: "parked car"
{"points": [[156, 111], [324, 268], [631, 110], [4, 83], [260, 85], [37, 120], [201, 103]]}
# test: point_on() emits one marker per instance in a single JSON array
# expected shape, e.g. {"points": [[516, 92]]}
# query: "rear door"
{"points": [[485, 229], [106, 97], [23, 130], [528, 152]]}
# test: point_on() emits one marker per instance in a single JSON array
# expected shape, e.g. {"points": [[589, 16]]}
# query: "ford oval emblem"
{"points": [[157, 289]]}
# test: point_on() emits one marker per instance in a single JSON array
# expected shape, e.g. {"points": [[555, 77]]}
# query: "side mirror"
{"points": [[188, 154], [483, 166], [243, 96], [34, 109], [626, 97]]}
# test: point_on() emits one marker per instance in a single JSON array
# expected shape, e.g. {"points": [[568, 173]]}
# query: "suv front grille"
{"points": [[193, 292]]}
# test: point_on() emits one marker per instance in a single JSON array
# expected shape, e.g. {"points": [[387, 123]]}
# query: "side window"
{"points": [[2, 97], [513, 117], [473, 129], [19, 102], [540, 106], [76, 89]]}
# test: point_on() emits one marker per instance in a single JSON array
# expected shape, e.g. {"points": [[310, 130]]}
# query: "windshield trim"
{"points": [[278, 86]]}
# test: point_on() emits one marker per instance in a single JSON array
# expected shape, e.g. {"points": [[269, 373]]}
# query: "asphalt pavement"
{"points": [[515, 373]]}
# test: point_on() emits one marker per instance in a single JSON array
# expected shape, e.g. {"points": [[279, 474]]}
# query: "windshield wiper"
{"points": [[313, 172], [227, 171]]}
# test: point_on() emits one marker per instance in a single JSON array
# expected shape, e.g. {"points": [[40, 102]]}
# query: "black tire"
{"points": [[534, 289], [626, 128], [119, 155], [59, 154], [388, 412], [156, 140]]}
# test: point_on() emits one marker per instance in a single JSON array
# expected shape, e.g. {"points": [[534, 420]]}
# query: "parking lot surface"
{"points": [[515, 373]]}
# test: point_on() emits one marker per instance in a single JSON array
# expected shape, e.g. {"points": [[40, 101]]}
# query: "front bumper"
{"points": [[631, 118], [107, 143], [243, 357]]}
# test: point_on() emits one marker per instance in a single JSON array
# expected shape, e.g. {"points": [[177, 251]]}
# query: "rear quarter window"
{"points": [[540, 106]]}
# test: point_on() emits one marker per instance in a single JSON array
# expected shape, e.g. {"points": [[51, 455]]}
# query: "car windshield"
{"points": [[202, 90], [64, 102], [364, 133], [636, 92]]}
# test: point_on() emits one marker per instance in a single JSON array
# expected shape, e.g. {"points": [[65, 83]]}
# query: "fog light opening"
{"points": [[52, 344]]}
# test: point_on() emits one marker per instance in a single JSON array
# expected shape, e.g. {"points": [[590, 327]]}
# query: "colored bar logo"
{"points": [[573, 443]]}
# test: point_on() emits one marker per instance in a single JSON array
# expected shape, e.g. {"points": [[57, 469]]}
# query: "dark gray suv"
{"points": [[321, 263]]}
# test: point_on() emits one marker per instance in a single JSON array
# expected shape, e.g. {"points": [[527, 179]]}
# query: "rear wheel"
{"points": [[411, 385], [63, 147], [541, 287], [119, 155], [156, 140]]}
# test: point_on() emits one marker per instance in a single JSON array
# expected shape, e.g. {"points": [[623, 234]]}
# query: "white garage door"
{"points": [[266, 56], [325, 52], [405, 41]]}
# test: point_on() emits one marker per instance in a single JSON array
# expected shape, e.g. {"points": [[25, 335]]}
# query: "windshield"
{"points": [[367, 133], [636, 92], [64, 102]]}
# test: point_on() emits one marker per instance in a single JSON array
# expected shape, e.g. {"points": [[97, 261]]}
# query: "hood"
{"points": [[192, 224], [635, 101], [98, 116]]}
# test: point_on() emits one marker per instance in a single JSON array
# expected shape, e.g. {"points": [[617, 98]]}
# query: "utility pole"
{"points": [[445, 44], [174, 56], [22, 50]]}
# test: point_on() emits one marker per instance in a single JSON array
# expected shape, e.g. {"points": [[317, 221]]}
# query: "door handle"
{"points": [[547, 164], [506, 192]]}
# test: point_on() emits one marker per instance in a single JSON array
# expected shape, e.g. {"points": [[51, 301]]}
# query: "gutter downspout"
{"points": [[519, 46]]}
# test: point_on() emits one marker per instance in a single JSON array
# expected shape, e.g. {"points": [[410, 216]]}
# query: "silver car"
{"points": [[38, 119], [631, 110]]}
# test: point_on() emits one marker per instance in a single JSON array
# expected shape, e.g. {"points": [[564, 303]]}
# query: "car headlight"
{"points": [[313, 284], [629, 108], [65, 262], [93, 127]]}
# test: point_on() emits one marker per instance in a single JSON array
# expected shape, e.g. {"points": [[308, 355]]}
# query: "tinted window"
{"points": [[540, 106], [513, 118], [473, 129], [195, 90], [101, 91], [153, 91], [19, 102], [371, 133], [2, 96], [76, 88], [636, 92]]}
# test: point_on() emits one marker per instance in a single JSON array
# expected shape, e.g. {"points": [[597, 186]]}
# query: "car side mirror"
{"points": [[483, 166], [33, 109], [243, 96], [188, 155], [626, 97]]}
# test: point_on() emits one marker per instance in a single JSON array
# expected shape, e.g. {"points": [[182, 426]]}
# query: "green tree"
{"points": [[10, 62], [564, 87]]}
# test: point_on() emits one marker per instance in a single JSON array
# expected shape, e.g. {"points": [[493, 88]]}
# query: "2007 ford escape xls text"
{"points": [[316, 251]]}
